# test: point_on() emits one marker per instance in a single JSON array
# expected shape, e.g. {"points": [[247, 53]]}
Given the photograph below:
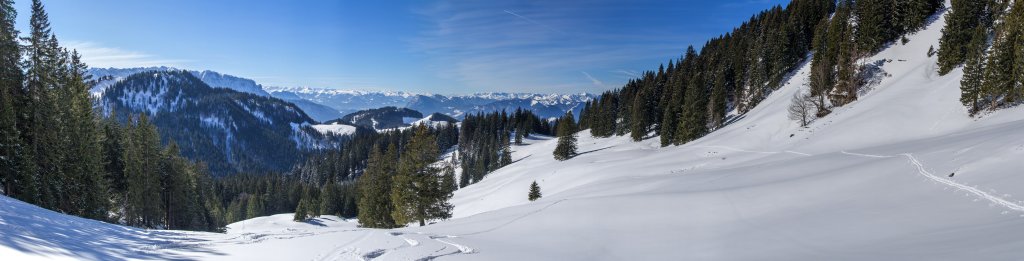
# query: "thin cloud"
{"points": [[533, 21], [593, 80], [96, 55]]}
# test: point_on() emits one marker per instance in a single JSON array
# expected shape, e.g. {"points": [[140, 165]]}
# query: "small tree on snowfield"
{"points": [[300, 211], [566, 147], [801, 108], [534, 191]]}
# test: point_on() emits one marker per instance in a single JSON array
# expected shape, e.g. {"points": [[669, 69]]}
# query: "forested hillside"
{"points": [[700, 92], [229, 130]]}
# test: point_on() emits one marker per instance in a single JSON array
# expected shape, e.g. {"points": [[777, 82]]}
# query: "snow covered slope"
{"points": [[106, 77], [872, 181]]}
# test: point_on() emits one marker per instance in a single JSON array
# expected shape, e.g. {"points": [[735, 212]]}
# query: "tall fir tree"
{"points": [[12, 158], [971, 83], [374, 187], [417, 193]]}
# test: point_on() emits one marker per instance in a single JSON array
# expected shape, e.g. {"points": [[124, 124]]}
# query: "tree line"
{"points": [[691, 96], [485, 141], [987, 38]]}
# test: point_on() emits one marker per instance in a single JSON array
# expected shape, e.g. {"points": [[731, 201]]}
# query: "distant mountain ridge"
{"points": [[105, 77], [383, 118], [231, 131], [328, 104], [457, 106]]}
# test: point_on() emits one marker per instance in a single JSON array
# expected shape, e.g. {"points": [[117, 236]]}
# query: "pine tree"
{"points": [[83, 145], [566, 148], [974, 74], [417, 192], [374, 187], [11, 148], [300, 211], [142, 160], [999, 78], [963, 17], [329, 199], [534, 191], [254, 207], [693, 121]]}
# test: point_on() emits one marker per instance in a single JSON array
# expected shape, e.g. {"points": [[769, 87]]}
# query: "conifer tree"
{"points": [[83, 145], [374, 187], [329, 199], [999, 78], [693, 121], [963, 17], [254, 207], [566, 148], [417, 192], [11, 148], [534, 191], [300, 211], [974, 74]]}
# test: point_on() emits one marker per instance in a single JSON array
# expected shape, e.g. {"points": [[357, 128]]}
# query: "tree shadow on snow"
{"points": [[592, 151], [33, 230]]}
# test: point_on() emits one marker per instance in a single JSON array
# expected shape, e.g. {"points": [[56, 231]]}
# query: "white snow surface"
{"points": [[335, 128], [871, 181]]}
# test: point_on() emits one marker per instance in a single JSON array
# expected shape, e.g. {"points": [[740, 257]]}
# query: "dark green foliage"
{"points": [[484, 141], [566, 148], [991, 79], [417, 192], [534, 191], [692, 95], [375, 189], [963, 17], [215, 125], [12, 150]]}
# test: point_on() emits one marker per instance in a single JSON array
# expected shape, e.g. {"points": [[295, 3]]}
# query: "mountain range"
{"points": [[215, 125]]}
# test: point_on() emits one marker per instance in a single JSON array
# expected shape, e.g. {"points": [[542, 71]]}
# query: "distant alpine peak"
{"points": [[328, 91], [484, 95], [105, 77]]}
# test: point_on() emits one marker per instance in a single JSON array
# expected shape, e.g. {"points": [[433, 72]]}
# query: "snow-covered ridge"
{"points": [[105, 77]]}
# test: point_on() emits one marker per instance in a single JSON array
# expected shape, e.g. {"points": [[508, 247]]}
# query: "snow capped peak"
{"points": [[105, 77]]}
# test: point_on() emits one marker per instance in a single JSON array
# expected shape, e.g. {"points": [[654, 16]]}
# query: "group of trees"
{"points": [[56, 152], [691, 96], [485, 141], [987, 37], [414, 190], [855, 30]]}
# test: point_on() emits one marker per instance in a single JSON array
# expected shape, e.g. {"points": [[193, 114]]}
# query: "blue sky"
{"points": [[447, 47]]}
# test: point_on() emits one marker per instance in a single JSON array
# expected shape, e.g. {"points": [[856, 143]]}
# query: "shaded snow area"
{"points": [[871, 181]]}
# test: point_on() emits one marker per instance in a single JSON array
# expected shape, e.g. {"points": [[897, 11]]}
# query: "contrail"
{"points": [[597, 82], [534, 22]]}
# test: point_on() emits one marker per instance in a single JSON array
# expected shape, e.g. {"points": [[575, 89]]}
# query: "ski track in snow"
{"points": [[752, 151], [865, 155], [921, 170], [977, 192]]}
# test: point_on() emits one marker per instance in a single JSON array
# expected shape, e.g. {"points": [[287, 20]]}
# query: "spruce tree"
{"points": [[963, 17], [534, 191], [300, 211], [374, 187], [693, 121], [971, 84], [999, 78], [566, 148], [11, 148], [417, 191], [329, 199]]}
